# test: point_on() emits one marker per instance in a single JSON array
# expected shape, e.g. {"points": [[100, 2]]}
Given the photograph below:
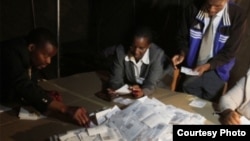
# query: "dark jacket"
{"points": [[16, 84], [226, 42]]}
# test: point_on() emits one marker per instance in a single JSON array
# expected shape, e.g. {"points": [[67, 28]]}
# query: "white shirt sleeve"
{"points": [[234, 97]]}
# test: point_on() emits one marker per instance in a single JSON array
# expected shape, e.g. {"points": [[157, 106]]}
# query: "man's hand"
{"points": [[136, 91], [202, 68], [55, 95], [177, 59], [79, 114], [111, 93], [229, 117]]}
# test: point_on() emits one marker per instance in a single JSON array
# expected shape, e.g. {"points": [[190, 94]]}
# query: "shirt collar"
{"points": [[144, 59], [223, 13]]}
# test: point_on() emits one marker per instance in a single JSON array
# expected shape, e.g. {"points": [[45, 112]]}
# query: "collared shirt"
{"points": [[138, 65], [216, 22]]}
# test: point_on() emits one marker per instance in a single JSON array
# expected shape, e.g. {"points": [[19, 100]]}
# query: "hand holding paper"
{"points": [[189, 71], [123, 90]]}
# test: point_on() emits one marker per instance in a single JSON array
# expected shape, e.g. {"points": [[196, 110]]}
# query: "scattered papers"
{"points": [[4, 108], [244, 120], [104, 115], [189, 71], [97, 130], [198, 103], [27, 115], [124, 90], [123, 101], [144, 119]]}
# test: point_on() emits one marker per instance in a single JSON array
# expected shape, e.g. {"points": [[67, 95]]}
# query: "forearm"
{"points": [[233, 98], [58, 106]]}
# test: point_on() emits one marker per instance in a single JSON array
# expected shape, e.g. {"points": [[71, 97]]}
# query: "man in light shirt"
{"points": [[139, 65], [236, 102], [208, 40]]}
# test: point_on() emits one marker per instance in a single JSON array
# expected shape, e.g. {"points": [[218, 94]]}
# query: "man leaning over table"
{"points": [[21, 59], [140, 65], [208, 39]]}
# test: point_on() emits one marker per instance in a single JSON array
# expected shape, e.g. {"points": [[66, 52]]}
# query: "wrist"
{"points": [[226, 112]]}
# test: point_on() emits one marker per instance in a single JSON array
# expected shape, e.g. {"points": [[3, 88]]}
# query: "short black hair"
{"points": [[145, 32], [39, 36]]}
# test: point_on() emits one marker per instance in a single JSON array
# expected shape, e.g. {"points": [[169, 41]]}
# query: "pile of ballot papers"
{"points": [[145, 119]]}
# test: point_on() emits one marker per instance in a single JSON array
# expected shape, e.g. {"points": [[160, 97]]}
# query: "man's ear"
{"points": [[31, 47]]}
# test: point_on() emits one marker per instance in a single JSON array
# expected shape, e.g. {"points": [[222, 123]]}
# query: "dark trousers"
{"points": [[209, 86]]}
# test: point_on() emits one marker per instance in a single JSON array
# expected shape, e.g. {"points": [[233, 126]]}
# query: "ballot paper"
{"points": [[97, 130], [154, 120], [4, 108], [27, 115], [189, 71], [69, 137], [102, 116], [244, 120], [111, 135], [124, 90], [155, 134], [199, 103], [123, 101], [83, 136]]}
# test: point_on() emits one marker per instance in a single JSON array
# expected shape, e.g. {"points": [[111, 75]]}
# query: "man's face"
{"points": [[41, 56], [215, 6], [139, 47]]}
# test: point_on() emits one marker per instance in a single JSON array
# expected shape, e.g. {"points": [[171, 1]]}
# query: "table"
{"points": [[79, 90]]}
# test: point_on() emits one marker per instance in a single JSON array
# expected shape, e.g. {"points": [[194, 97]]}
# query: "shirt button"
{"points": [[44, 100]]}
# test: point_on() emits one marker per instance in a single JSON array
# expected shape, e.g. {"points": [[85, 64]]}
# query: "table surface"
{"points": [[79, 90]]}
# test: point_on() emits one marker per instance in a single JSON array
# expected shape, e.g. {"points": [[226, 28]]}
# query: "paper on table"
{"points": [[123, 101], [26, 115], [97, 130], [154, 120], [189, 71], [111, 135], [198, 103], [123, 90], [69, 137], [244, 120], [4, 108], [100, 116], [85, 137]]}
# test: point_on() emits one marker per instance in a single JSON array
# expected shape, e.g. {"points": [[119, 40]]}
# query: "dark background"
{"points": [[87, 27]]}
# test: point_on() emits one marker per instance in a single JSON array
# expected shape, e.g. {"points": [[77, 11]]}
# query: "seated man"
{"points": [[20, 61], [140, 65], [236, 102]]}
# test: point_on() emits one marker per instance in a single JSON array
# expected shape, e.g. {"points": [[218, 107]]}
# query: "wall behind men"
{"points": [[90, 26]]}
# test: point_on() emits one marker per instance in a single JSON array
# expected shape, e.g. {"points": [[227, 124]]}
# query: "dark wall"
{"points": [[90, 26]]}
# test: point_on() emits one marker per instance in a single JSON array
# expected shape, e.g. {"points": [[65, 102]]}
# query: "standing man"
{"points": [[21, 60], [208, 39]]}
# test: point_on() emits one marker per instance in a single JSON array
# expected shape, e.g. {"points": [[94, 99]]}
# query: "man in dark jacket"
{"points": [[21, 59], [209, 37]]}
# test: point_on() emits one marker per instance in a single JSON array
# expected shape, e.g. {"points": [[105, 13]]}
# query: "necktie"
{"points": [[206, 44]]}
